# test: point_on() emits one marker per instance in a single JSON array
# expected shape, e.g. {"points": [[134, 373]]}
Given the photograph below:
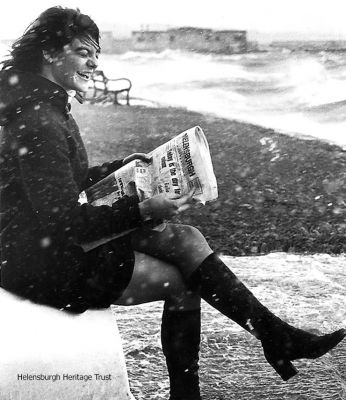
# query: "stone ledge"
{"points": [[50, 354]]}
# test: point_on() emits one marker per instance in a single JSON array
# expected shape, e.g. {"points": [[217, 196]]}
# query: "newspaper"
{"points": [[176, 167]]}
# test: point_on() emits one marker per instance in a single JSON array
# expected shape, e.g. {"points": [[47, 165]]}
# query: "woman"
{"points": [[44, 167]]}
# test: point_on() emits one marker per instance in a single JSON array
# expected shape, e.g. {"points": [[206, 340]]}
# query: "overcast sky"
{"points": [[324, 17]]}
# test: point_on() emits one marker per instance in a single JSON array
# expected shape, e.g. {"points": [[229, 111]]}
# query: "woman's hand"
{"points": [[161, 207], [136, 156]]}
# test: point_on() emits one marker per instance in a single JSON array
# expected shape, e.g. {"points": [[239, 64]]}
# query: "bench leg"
{"points": [[115, 101]]}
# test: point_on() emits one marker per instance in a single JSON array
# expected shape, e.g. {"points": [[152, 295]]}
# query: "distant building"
{"points": [[191, 39], [150, 40], [310, 45]]}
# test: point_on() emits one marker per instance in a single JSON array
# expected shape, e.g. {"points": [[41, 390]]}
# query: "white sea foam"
{"points": [[292, 92]]}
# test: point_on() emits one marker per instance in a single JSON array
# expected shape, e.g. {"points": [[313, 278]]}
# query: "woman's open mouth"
{"points": [[84, 75]]}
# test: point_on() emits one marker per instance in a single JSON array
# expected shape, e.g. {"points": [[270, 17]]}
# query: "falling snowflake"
{"points": [[130, 300], [13, 80], [45, 242], [22, 151], [275, 158]]}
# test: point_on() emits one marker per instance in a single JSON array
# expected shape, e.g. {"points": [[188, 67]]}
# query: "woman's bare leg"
{"points": [[153, 280], [181, 245]]}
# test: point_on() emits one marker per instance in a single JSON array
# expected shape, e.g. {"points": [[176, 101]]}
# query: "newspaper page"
{"points": [[184, 163], [176, 167]]}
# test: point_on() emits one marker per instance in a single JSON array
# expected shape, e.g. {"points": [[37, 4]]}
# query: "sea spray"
{"points": [[297, 93]]}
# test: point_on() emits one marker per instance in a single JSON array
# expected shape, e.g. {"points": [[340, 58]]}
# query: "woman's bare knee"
{"points": [[187, 235], [181, 245], [187, 247], [155, 280]]}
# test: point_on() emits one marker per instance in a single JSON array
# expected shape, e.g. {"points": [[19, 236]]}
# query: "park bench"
{"points": [[103, 89], [51, 354]]}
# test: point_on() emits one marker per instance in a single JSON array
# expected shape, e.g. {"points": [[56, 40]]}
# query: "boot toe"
{"points": [[327, 342]]}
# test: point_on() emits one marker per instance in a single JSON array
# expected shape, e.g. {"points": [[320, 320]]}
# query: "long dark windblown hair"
{"points": [[50, 32]]}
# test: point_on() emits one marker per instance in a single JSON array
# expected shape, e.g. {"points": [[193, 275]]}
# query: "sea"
{"points": [[297, 93]]}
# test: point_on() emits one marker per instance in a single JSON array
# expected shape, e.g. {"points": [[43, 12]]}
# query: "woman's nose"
{"points": [[93, 62]]}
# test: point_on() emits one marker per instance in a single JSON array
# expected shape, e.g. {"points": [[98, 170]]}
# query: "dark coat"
{"points": [[43, 168]]}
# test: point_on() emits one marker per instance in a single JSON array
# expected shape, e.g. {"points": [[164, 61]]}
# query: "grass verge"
{"points": [[276, 192]]}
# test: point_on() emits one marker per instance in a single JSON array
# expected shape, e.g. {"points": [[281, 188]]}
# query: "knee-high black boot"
{"points": [[281, 342], [180, 337]]}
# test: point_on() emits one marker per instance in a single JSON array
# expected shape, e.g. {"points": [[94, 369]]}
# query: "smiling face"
{"points": [[72, 67]]}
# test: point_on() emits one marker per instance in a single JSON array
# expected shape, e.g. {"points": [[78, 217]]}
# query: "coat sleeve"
{"points": [[97, 173], [47, 177]]}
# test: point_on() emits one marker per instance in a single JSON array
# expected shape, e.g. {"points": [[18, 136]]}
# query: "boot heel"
{"points": [[283, 367]]}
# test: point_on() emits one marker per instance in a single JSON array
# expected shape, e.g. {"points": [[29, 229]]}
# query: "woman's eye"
{"points": [[83, 53]]}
